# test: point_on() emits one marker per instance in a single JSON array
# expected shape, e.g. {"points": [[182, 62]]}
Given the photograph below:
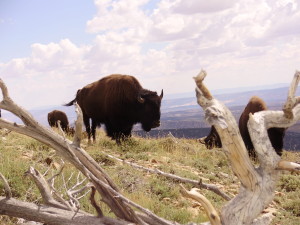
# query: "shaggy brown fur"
{"points": [[119, 102], [55, 116]]}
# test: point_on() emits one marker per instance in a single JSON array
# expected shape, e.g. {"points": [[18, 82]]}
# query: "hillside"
{"points": [[182, 157], [291, 139], [181, 110], [183, 117]]}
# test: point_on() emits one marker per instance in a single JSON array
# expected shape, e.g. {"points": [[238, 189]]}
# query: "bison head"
{"points": [[212, 140], [150, 113]]}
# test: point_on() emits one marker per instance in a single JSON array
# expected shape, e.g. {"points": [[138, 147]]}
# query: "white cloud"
{"points": [[117, 15], [201, 6], [239, 43]]}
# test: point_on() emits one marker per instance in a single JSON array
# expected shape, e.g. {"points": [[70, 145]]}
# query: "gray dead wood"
{"points": [[195, 183], [257, 184]]}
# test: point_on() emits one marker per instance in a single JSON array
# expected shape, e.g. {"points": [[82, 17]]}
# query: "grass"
{"points": [[182, 157]]}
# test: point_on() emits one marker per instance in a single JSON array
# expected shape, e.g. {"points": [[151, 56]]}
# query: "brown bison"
{"points": [[55, 116], [254, 105], [119, 102], [212, 140]]}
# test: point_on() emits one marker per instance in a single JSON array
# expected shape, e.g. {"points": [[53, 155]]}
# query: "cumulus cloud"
{"points": [[50, 58], [201, 6], [116, 15], [240, 43]]}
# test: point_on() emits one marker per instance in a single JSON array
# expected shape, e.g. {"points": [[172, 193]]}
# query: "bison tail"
{"points": [[70, 103]]}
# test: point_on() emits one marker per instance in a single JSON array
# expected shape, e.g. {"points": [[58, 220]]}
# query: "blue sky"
{"points": [[51, 48], [24, 22]]}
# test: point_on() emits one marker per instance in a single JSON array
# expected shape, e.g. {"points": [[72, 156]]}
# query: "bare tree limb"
{"points": [[218, 115], [44, 189], [290, 166], [94, 203], [257, 184], [199, 82], [78, 126], [208, 207], [7, 189], [51, 179], [52, 215], [196, 183], [291, 100]]}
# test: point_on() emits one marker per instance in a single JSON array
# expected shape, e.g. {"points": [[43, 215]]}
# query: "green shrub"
{"points": [[290, 183], [293, 205]]}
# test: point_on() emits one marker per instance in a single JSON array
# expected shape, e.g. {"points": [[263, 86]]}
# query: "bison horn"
{"points": [[161, 94], [141, 99]]}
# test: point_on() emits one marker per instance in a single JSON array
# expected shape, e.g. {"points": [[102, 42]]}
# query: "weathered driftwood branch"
{"points": [[7, 189], [290, 166], [257, 184], [208, 207], [292, 101], [94, 203], [195, 183], [52, 215], [78, 126], [218, 115], [75, 190], [45, 190]]}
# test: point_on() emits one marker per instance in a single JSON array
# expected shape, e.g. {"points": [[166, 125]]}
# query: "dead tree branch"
{"points": [[52, 215], [7, 189], [257, 184], [195, 183], [208, 207], [44, 189]]}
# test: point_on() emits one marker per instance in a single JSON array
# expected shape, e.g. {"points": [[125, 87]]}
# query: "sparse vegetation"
{"points": [[183, 157]]}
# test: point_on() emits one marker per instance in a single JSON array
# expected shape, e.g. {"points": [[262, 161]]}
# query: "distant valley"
{"points": [[183, 117]]}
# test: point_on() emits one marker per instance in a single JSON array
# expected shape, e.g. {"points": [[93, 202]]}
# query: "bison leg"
{"points": [[86, 121], [127, 132], [94, 125], [124, 134], [118, 131], [110, 131], [65, 126]]}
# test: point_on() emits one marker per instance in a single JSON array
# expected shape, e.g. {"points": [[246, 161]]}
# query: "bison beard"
{"points": [[254, 105], [119, 102]]}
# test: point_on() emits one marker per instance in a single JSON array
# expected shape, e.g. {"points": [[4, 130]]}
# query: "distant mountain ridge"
{"points": [[184, 112], [228, 90], [291, 139]]}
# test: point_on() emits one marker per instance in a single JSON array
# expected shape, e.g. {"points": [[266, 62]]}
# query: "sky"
{"points": [[51, 48]]}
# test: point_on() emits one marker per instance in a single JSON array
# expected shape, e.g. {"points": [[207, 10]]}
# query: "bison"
{"points": [[55, 116], [275, 134], [118, 101], [212, 140], [254, 105]]}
